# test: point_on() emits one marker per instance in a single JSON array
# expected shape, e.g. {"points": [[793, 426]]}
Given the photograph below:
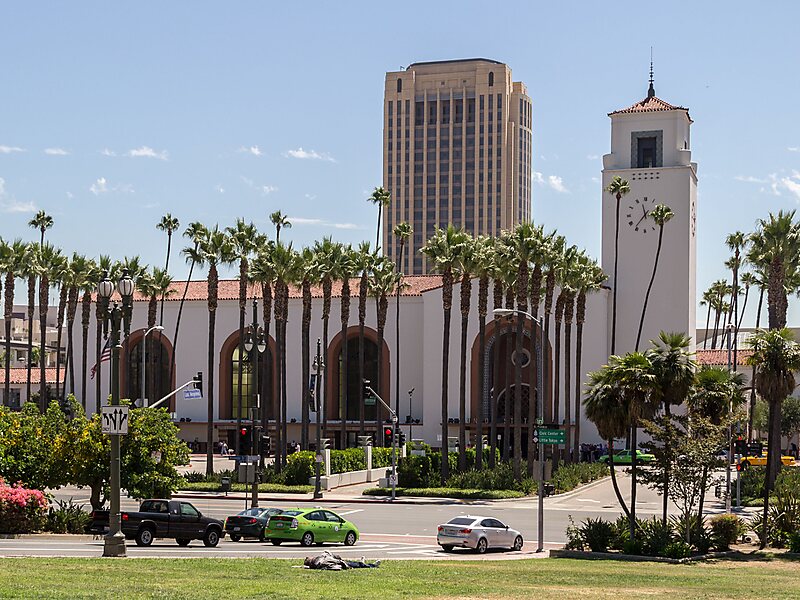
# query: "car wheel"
{"points": [[235, 537], [211, 538], [262, 536], [447, 548], [307, 539], [482, 546], [517, 543], [350, 539], [276, 542], [183, 541], [144, 536]]}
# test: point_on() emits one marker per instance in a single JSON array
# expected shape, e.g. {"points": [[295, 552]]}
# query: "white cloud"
{"points": [[264, 189], [792, 184], [793, 148], [555, 182], [107, 152], [10, 149], [148, 152], [254, 150], [56, 152], [749, 179], [100, 186], [321, 223], [309, 154], [70, 195], [9, 204], [537, 177], [593, 156], [268, 189], [219, 189]]}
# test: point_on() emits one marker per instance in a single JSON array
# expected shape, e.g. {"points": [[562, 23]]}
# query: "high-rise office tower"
{"points": [[456, 149]]}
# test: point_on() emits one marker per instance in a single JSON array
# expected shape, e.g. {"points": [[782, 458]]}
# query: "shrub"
{"points": [[794, 542], [499, 478], [299, 468], [196, 477], [574, 536], [22, 510], [597, 534], [655, 536], [725, 530], [634, 547], [67, 518], [382, 457], [350, 459], [440, 492], [569, 476], [751, 482], [783, 517], [678, 549]]}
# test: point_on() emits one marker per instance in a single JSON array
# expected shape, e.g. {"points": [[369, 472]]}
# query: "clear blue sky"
{"points": [[112, 114]]}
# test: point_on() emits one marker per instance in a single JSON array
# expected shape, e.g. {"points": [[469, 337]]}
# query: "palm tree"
{"points": [[244, 239], [281, 222], [496, 272], [590, 279], [344, 267], [484, 265], [673, 367], [161, 287], [213, 248], [13, 265], [736, 242], [380, 197], [29, 270], [49, 263], [60, 278], [748, 280], [618, 188], [468, 265], [553, 259], [42, 221], [720, 290], [77, 275], [382, 285], [707, 300], [444, 250], [777, 356], [660, 214], [401, 231], [324, 253], [169, 224], [262, 273], [364, 263], [195, 232], [307, 269], [561, 271], [570, 282], [88, 286]]}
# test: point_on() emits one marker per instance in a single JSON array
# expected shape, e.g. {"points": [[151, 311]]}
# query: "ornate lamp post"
{"points": [[319, 369], [255, 345], [114, 542]]}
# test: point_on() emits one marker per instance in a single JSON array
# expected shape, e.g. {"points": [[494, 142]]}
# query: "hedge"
{"points": [[270, 488], [435, 492]]}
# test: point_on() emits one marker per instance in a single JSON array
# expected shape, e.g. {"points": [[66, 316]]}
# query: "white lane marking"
{"points": [[405, 535], [350, 512], [589, 500]]}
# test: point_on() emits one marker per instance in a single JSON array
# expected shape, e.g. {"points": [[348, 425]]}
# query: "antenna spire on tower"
{"points": [[651, 90]]}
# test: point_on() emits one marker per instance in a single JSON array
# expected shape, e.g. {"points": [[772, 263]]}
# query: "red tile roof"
{"points": [[649, 104], [720, 357], [415, 285], [20, 375]]}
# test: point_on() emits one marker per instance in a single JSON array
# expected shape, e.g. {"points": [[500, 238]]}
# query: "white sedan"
{"points": [[477, 533]]}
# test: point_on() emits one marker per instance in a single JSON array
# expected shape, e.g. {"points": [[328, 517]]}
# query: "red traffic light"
{"points": [[740, 467], [243, 431], [387, 431]]}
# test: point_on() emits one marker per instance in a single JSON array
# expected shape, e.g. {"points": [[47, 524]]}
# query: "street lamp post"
{"points": [[506, 312], [114, 542], [144, 354], [255, 345], [319, 368]]}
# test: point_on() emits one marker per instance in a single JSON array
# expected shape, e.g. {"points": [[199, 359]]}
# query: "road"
{"points": [[405, 529]]}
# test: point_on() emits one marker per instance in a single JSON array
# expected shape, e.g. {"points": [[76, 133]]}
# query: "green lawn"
{"points": [[249, 578]]}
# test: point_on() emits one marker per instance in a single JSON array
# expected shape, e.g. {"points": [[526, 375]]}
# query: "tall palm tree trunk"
{"points": [[447, 303], [100, 311], [497, 302], [306, 362], [397, 335], [44, 301], [86, 316], [744, 308], [8, 315], [466, 294], [72, 307], [483, 298], [213, 292], [650, 286], [580, 312], [178, 319], [326, 312], [280, 443], [239, 377], [522, 306], [284, 379], [31, 304], [708, 321], [752, 408], [568, 308], [508, 436], [634, 442], [362, 313], [266, 383], [557, 363], [614, 483], [345, 319]]}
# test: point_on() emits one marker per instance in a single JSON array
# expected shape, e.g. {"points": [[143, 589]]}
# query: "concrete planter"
{"points": [[585, 555]]}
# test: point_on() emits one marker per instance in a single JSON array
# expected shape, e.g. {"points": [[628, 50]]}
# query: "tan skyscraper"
{"points": [[456, 149]]}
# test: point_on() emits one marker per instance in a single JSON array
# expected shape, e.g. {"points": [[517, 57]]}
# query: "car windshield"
{"points": [[292, 513], [461, 521], [252, 512]]}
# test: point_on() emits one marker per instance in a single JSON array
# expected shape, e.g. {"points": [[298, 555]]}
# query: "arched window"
{"points": [[242, 402], [491, 79], [354, 386], [399, 85], [157, 366]]}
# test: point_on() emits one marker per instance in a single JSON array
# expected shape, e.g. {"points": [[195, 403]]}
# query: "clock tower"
{"points": [[651, 150]]}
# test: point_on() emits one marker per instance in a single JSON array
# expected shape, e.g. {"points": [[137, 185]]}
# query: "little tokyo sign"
{"points": [[549, 436]]}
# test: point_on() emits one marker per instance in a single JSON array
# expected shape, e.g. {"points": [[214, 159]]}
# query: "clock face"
{"points": [[638, 215]]}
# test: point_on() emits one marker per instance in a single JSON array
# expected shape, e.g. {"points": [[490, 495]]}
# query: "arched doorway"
{"points": [[235, 401], [157, 358]]}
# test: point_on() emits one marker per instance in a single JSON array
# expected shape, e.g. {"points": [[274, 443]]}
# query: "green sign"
{"points": [[549, 436], [369, 401]]}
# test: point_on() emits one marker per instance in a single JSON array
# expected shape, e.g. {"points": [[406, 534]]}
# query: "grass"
{"points": [[531, 578], [446, 493], [271, 488]]}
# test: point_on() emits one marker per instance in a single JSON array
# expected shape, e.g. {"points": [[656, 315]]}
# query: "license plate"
{"points": [[236, 528], [278, 525], [451, 532]]}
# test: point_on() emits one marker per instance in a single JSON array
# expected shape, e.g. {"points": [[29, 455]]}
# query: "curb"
{"points": [[579, 554], [579, 489], [340, 500]]}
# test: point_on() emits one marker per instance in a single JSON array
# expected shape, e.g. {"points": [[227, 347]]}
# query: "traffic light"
{"points": [[198, 382], [740, 467], [402, 437], [388, 431], [740, 446], [367, 393], [244, 440], [266, 444]]}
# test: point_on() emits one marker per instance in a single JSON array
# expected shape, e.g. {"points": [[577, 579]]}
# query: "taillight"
{"points": [[440, 528], [465, 531], [253, 520], [294, 523], [124, 516]]}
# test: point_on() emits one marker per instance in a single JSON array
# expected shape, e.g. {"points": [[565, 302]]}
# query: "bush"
{"points": [[783, 517], [67, 518], [299, 468], [725, 530], [655, 536], [794, 542], [382, 457], [751, 482], [569, 476], [597, 534], [22, 510], [351, 459], [196, 477], [499, 478], [678, 549], [270, 488], [440, 492]]}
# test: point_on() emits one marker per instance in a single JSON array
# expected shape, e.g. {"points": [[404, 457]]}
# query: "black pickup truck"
{"points": [[173, 519]]}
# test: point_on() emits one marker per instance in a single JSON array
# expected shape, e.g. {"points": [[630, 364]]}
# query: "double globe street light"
{"points": [[114, 542], [255, 344]]}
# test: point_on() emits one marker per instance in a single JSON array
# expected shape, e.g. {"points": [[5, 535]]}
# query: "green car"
{"points": [[310, 526], [625, 457]]}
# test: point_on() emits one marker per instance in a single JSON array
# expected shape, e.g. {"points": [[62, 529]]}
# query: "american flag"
{"points": [[105, 356]]}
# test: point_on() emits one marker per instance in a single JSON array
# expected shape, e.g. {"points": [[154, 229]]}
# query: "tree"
{"points": [[381, 198], [777, 356], [29, 271], [401, 231], [364, 262], [60, 278], [707, 301], [617, 188], [88, 286], [736, 242], [674, 368], [660, 214], [467, 264], [281, 222], [484, 265], [307, 269], [169, 225], [324, 257], [262, 273], [382, 285], [12, 260], [77, 278], [48, 263], [244, 239], [343, 262], [212, 248], [42, 221], [444, 249]]}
